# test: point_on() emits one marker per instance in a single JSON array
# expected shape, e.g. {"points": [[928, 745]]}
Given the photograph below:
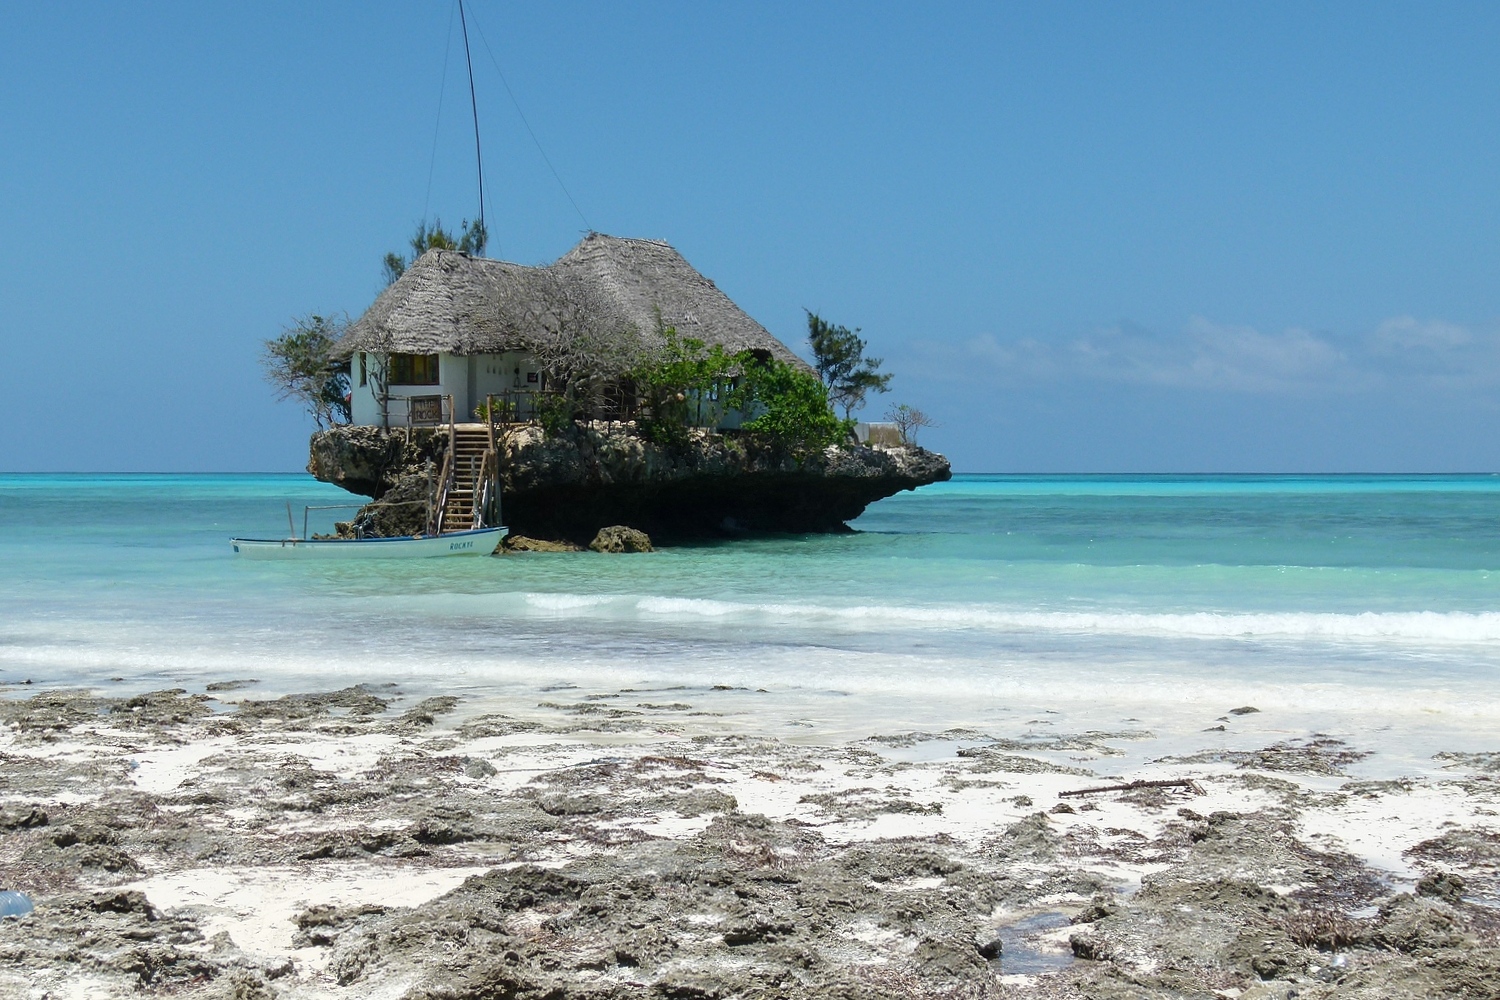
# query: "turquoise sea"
{"points": [[1349, 604]]}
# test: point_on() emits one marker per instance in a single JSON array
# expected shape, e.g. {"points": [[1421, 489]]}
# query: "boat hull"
{"points": [[479, 542]]}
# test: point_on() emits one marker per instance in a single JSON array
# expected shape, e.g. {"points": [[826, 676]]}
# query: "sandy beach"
{"points": [[367, 843]]}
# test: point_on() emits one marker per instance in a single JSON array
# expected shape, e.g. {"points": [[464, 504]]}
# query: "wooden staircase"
{"points": [[470, 446]]}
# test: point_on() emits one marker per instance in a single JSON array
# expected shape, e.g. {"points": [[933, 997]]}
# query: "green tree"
{"points": [[789, 403], [839, 357], [678, 381], [300, 366], [686, 380], [472, 238]]}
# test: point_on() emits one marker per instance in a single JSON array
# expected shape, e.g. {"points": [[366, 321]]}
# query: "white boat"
{"points": [[477, 542]]}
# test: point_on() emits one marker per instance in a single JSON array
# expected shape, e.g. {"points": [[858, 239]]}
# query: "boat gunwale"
{"points": [[385, 538]]}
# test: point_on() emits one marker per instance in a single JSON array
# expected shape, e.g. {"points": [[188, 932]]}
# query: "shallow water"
{"points": [[1026, 953], [15, 904], [1366, 607]]}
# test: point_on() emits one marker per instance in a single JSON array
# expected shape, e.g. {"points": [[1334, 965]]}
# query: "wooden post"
{"points": [[452, 429]]}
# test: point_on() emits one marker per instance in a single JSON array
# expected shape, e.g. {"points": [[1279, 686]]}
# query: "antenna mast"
{"points": [[474, 109]]}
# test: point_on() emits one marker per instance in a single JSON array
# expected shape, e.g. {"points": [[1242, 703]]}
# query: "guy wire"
{"points": [[537, 142], [437, 126]]}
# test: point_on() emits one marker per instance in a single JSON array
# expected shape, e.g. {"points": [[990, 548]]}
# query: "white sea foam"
{"points": [[1054, 677], [566, 602], [1446, 627], [1418, 626]]}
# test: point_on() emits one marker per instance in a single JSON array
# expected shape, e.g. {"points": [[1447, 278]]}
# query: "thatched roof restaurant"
{"points": [[451, 303], [456, 330]]}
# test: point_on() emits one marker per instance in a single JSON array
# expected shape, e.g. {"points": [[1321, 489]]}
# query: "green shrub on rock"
{"points": [[791, 405], [689, 383], [554, 412], [682, 384]]}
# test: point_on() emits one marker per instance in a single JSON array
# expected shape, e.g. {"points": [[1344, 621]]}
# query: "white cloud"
{"points": [[1408, 332], [1206, 355]]}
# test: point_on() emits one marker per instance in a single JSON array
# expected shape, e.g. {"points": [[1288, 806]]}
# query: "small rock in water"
{"points": [[990, 947], [15, 904], [229, 685], [619, 538], [1244, 710], [520, 543]]}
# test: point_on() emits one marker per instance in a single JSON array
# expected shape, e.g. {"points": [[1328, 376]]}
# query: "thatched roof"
{"points": [[448, 302]]}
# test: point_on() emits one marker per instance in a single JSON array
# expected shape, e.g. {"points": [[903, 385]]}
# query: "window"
{"points": [[364, 374], [414, 369]]}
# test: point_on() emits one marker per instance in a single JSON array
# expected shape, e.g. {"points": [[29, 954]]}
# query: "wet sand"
{"points": [[604, 844]]}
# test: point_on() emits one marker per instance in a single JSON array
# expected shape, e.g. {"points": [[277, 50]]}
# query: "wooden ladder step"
{"points": [[467, 460]]}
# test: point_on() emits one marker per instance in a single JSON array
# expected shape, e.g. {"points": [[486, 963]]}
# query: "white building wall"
{"points": [[364, 408], [511, 372], [467, 379], [878, 435], [453, 380]]}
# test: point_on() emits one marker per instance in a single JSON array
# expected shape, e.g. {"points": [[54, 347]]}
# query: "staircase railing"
{"points": [[492, 413], [486, 493], [445, 478], [445, 481], [452, 425]]}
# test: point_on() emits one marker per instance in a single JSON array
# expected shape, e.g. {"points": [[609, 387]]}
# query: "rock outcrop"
{"points": [[571, 484], [617, 538], [520, 543]]}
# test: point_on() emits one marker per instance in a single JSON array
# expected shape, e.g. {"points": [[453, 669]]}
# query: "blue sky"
{"points": [[1086, 237]]}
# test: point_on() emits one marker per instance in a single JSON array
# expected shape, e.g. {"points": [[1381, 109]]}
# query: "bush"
{"points": [[554, 412], [688, 380], [677, 382], [501, 410], [792, 405]]}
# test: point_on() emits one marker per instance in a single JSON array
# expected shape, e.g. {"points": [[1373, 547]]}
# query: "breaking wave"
{"points": [[1417, 626]]}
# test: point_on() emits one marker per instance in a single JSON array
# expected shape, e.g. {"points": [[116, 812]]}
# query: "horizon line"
{"points": [[303, 472]]}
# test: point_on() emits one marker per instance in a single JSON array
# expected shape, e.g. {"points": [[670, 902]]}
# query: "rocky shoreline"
{"points": [[612, 844], [568, 485]]}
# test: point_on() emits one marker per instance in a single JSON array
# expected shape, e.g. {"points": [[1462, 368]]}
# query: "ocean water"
{"points": [[1361, 606]]}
